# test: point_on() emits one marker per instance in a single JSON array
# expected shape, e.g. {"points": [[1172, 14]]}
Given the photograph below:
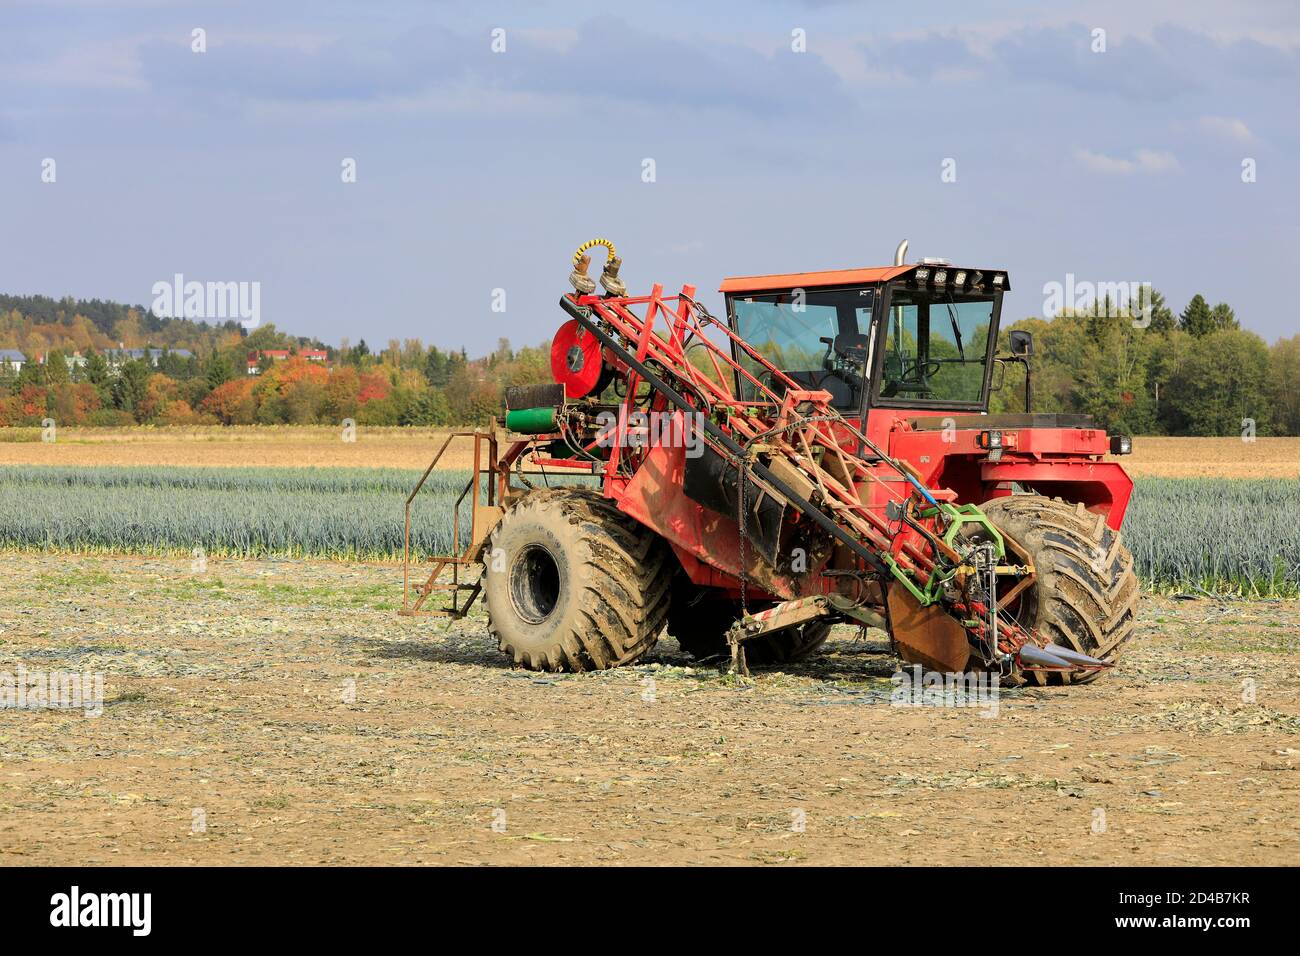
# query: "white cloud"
{"points": [[1143, 161], [561, 40], [1226, 127], [113, 64], [1152, 161]]}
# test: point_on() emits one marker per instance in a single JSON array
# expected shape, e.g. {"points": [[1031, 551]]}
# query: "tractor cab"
{"points": [[913, 337], [909, 355]]}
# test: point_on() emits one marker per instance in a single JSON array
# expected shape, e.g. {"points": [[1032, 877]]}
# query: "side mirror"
{"points": [[1021, 342]]}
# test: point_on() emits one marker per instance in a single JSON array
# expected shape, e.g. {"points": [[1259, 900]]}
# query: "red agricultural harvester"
{"points": [[824, 455]]}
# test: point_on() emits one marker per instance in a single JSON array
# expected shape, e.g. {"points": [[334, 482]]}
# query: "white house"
{"points": [[73, 360], [116, 357], [12, 360]]}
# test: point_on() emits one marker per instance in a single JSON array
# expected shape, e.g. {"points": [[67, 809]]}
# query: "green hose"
{"points": [[531, 421]]}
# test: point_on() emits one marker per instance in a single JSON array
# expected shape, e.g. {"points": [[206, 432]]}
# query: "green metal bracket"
{"points": [[956, 516]]}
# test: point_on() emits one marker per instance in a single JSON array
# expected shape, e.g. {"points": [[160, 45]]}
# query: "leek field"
{"points": [[344, 513], [1238, 536]]}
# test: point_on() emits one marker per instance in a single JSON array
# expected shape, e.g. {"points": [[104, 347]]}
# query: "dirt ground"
{"points": [[293, 446], [251, 446], [281, 712]]}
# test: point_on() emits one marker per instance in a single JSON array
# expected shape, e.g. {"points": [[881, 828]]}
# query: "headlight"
{"points": [[1121, 445]]}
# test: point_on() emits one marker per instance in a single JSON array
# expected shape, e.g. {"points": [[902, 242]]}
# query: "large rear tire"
{"points": [[572, 583], [1086, 593], [700, 619]]}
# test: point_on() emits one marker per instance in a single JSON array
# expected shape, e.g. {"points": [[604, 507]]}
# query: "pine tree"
{"points": [[1151, 303], [97, 375], [1223, 317], [1196, 319], [56, 368], [131, 385], [218, 370]]}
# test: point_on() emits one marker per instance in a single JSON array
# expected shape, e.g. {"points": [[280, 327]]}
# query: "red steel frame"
{"points": [[801, 428], [1061, 462], [773, 421]]}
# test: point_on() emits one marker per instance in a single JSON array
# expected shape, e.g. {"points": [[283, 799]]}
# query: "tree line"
{"points": [[405, 383], [1141, 371], [1148, 371]]}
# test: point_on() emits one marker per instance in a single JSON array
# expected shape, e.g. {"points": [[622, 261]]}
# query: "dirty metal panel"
{"points": [[655, 498], [713, 482], [926, 635]]}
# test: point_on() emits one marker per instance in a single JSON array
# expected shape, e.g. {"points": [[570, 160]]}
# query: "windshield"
{"points": [[819, 338], [935, 346]]}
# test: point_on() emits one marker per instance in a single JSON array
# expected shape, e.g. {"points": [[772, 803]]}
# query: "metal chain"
{"points": [[743, 471]]}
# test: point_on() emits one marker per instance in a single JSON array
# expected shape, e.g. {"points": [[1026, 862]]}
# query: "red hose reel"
{"points": [[577, 362]]}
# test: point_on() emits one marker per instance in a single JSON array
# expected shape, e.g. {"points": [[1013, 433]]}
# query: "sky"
{"points": [[1109, 141]]}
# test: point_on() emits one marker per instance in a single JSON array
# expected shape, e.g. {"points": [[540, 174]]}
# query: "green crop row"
{"points": [[1238, 536], [1221, 535], [345, 513], [343, 481]]}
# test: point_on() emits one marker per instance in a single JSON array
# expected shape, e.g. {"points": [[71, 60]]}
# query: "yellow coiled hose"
{"points": [[591, 244]]}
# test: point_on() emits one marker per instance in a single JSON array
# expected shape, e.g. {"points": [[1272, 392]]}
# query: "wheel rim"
{"points": [[534, 584]]}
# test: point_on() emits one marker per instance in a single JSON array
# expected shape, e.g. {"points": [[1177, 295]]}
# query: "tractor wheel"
{"points": [[572, 583], [1086, 594], [700, 620]]}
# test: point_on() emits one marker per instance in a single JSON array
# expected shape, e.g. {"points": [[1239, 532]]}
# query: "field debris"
{"points": [[288, 715]]}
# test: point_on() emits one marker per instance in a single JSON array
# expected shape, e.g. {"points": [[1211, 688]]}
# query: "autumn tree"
{"points": [[231, 403], [341, 394], [290, 391]]}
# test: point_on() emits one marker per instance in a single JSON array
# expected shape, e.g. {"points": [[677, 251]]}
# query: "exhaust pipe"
{"points": [[900, 254]]}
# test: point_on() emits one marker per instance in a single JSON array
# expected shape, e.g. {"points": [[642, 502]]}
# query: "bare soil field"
{"points": [[1162, 457], [319, 446], [280, 712], [252, 446]]}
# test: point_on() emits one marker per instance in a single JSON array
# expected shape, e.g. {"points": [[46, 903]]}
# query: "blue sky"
{"points": [[479, 170]]}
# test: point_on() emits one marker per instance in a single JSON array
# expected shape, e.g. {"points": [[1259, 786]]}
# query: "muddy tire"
{"points": [[1086, 594], [572, 583], [700, 620]]}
